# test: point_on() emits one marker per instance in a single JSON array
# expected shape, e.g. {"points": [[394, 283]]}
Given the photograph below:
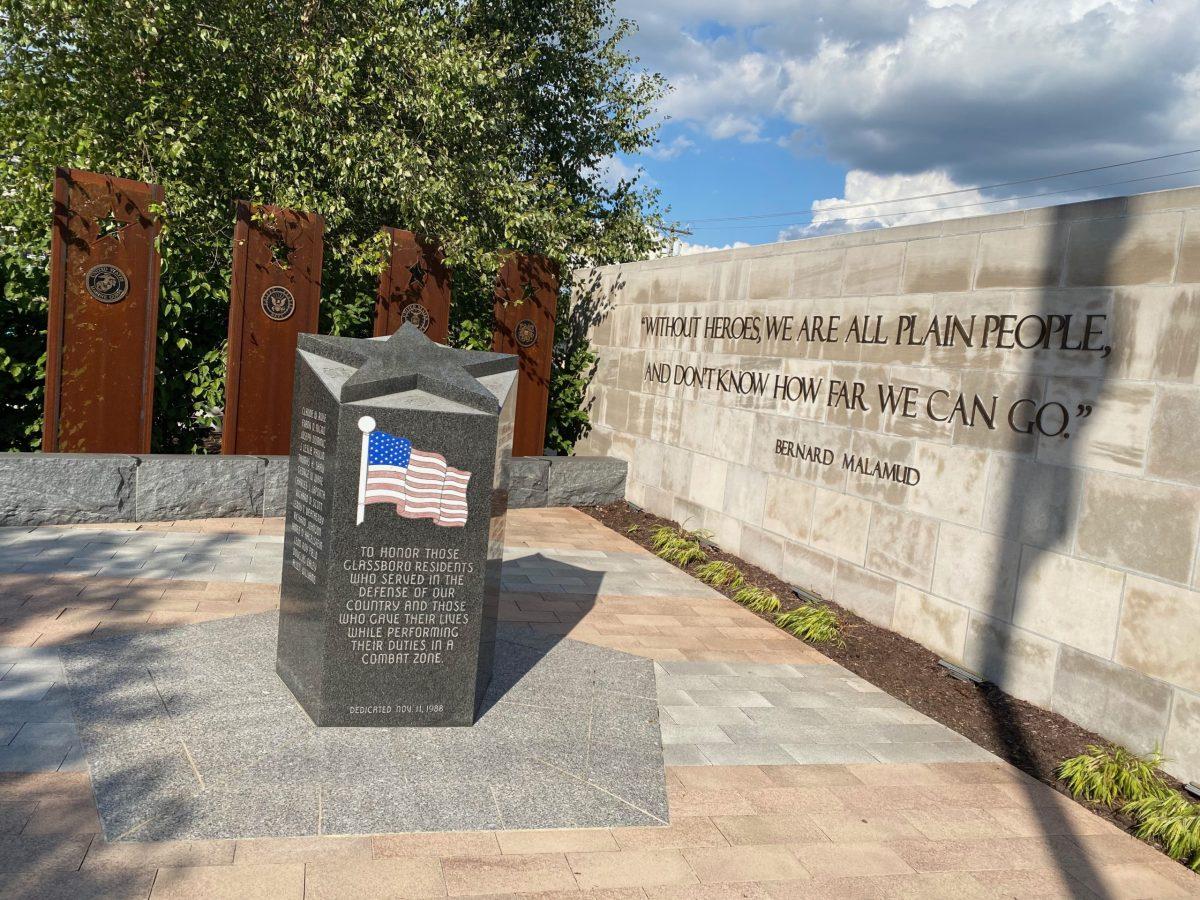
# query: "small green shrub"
{"points": [[1171, 819], [633, 529], [1112, 775], [758, 599], [678, 546], [662, 535], [813, 622], [719, 573]]}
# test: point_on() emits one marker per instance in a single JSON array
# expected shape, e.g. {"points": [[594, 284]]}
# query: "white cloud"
{"points": [[979, 91], [680, 144], [680, 247], [874, 201]]}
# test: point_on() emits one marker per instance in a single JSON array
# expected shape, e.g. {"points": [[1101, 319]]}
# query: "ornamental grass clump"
{"points": [[677, 546], [721, 574], [814, 623], [1173, 821], [1112, 775], [758, 599]]}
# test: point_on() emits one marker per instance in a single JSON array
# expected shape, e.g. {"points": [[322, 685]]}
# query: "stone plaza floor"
{"points": [[786, 775]]}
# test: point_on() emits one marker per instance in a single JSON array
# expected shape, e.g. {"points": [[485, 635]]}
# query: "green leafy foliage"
{"points": [[720, 573], [1112, 775], [484, 125], [757, 599], [814, 623], [678, 546], [1172, 820]]}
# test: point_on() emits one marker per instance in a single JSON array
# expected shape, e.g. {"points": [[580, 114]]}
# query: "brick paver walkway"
{"points": [[787, 775]]}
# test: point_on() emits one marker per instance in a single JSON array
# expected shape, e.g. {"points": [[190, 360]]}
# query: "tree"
{"points": [[485, 124]]}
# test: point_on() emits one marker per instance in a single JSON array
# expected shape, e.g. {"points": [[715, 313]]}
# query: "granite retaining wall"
{"points": [[66, 488]]}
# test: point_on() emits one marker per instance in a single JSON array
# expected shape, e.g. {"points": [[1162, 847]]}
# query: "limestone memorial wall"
{"points": [[980, 433]]}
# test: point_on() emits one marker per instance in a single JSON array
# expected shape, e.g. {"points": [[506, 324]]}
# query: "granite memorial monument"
{"points": [[395, 527]]}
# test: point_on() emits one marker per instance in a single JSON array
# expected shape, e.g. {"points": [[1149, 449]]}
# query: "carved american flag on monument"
{"points": [[417, 482]]}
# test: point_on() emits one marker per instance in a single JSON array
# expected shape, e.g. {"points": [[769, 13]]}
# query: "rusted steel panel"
{"points": [[103, 314], [415, 287], [526, 297], [275, 294]]}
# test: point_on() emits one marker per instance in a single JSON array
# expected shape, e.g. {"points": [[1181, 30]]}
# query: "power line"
{"points": [[909, 212], [985, 187]]}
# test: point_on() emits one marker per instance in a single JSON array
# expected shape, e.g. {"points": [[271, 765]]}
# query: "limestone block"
{"points": [[762, 549], [931, 621], [1156, 201], [1030, 257], [1154, 333], [841, 525], [646, 467], [1138, 524], [631, 370], [885, 449], [873, 269], [1018, 661], [1160, 631], [1189, 251], [891, 309], [616, 409], [54, 488], [640, 414], [1172, 454], [695, 282], [1182, 747], [974, 431], [732, 280], [1130, 250], [977, 569], [940, 264], [726, 531], [1032, 503], [707, 484], [586, 480], [275, 486], [735, 433], [870, 595], [1114, 437], [994, 222], [817, 274], [808, 568], [744, 494], [1078, 303], [770, 278], [902, 546], [788, 506], [770, 429], [653, 286], [953, 483], [199, 487], [1119, 703], [1068, 600], [1073, 212]]}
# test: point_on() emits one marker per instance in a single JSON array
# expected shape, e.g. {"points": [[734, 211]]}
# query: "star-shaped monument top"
{"points": [[409, 361]]}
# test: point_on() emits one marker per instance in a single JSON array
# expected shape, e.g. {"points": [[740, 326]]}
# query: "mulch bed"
{"points": [[1032, 739]]}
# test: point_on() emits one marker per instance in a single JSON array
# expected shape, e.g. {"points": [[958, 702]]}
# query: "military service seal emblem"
{"points": [[278, 303], [106, 283], [526, 333]]}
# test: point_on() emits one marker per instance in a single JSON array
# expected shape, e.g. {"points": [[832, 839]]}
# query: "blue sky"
{"points": [[814, 105]]}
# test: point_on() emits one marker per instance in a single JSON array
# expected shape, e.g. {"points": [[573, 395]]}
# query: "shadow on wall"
{"points": [[1039, 505]]}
